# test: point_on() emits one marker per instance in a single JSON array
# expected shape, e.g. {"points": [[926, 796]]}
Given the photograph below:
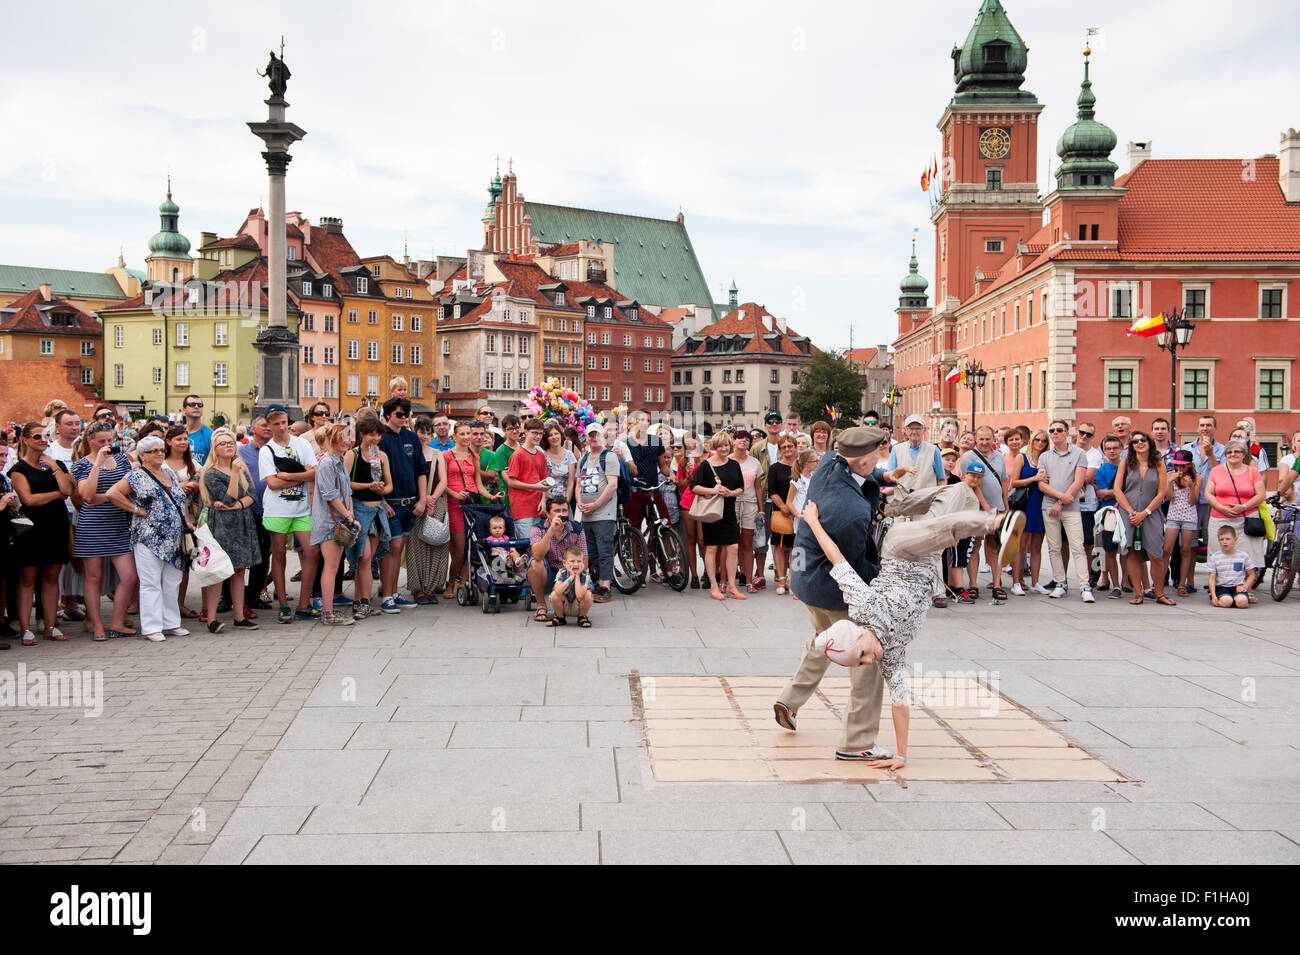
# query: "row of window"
{"points": [[1197, 380], [490, 344], [181, 375], [220, 335], [683, 377], [490, 379], [309, 388], [564, 324], [648, 394]]}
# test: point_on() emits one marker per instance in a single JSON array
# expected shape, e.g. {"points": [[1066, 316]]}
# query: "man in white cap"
{"points": [[924, 469], [598, 473]]}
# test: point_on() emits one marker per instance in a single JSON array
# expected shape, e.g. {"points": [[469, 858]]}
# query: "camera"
{"points": [[114, 448]]}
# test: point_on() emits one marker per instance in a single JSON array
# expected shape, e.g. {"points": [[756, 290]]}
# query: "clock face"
{"points": [[995, 143]]}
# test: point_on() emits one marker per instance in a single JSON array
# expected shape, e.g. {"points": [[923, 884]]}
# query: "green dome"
{"points": [[1085, 146], [990, 66], [914, 284], [168, 242]]}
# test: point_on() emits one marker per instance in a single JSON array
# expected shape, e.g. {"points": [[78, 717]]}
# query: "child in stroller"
{"points": [[506, 563]]}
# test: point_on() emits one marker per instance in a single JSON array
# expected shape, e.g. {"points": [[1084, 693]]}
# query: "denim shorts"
{"points": [[370, 518], [403, 520], [1181, 525]]}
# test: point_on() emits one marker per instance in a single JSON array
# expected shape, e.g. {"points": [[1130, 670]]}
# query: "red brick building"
{"points": [[1041, 291]]}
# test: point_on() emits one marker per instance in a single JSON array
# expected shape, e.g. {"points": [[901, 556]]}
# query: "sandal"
{"points": [[1182, 591], [1136, 601], [735, 594], [752, 589], [998, 593], [540, 615], [189, 614], [557, 622], [1165, 601], [717, 594], [584, 621]]}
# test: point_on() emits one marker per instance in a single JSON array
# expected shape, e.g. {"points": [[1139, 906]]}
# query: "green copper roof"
{"points": [[1085, 146], [65, 283], [654, 260], [914, 283], [990, 66], [168, 242]]}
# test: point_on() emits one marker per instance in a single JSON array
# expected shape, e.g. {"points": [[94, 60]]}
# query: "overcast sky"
{"points": [[791, 135]]}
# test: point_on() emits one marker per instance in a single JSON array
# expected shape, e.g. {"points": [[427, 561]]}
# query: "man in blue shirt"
{"points": [[200, 434], [1207, 454], [406, 505], [442, 439]]}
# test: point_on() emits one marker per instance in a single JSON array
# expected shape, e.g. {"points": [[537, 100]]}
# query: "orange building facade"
{"points": [[1041, 291]]}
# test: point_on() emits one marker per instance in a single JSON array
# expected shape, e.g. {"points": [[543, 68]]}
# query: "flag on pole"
{"points": [[1146, 327], [957, 374], [925, 181], [934, 175]]}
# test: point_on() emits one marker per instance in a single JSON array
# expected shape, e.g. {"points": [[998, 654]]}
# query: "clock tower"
{"points": [[990, 158]]}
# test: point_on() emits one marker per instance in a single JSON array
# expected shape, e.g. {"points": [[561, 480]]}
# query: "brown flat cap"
{"points": [[856, 442]]}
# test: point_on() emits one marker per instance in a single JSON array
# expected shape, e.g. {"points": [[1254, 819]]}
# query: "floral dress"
{"points": [[159, 531]]}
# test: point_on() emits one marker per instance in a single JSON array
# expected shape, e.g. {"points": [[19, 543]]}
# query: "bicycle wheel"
{"points": [[1288, 564], [629, 559], [671, 564]]}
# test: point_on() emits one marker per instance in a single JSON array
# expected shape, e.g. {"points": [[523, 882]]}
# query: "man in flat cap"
{"points": [[846, 489]]}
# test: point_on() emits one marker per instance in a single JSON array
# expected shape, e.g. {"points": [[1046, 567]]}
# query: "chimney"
{"points": [[1288, 166], [1138, 152], [206, 238], [331, 224], [47, 292]]}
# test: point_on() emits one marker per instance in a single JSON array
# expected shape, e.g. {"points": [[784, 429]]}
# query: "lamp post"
{"points": [[892, 402], [1177, 334], [975, 376]]}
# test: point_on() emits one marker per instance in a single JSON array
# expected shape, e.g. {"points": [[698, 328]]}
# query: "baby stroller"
{"points": [[483, 585]]}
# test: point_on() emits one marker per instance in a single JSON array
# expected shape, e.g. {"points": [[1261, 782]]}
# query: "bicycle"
{"points": [[657, 555], [629, 556], [1283, 553], [666, 561]]}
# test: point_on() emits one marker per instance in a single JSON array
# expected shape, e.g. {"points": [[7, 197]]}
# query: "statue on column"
{"points": [[277, 74]]}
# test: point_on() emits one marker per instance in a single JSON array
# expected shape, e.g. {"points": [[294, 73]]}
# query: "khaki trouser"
{"points": [[940, 517], [1073, 524], [867, 690]]}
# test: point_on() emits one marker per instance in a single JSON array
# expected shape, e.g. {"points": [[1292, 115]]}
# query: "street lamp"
{"points": [[1177, 334], [975, 377], [892, 401]]}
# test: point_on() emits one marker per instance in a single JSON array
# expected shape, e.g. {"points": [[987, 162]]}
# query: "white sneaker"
{"points": [[1058, 592], [1087, 595], [1040, 589], [155, 637], [1017, 590], [984, 567], [177, 632]]}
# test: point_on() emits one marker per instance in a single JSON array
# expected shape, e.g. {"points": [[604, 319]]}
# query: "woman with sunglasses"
{"points": [[1235, 489], [1141, 483], [180, 459], [103, 531], [1031, 538], [226, 487], [42, 486]]}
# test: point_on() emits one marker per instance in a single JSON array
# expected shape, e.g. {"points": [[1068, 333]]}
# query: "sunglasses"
{"points": [[1139, 440], [1055, 430], [1040, 439], [320, 414], [1086, 434], [194, 404], [401, 415]]}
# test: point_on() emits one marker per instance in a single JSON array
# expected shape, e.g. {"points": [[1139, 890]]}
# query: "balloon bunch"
{"points": [[548, 401]]}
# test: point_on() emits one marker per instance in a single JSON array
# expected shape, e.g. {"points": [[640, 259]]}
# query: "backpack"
{"points": [[624, 493]]}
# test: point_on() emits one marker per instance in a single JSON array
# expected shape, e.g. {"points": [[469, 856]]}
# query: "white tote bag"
{"points": [[211, 564]]}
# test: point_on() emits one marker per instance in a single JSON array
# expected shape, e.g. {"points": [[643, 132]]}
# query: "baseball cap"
{"points": [[271, 408], [950, 451], [772, 418], [974, 468], [594, 428], [914, 419]]}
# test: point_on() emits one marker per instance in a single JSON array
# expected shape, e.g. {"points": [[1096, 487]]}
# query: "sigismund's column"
{"points": [[277, 374]]}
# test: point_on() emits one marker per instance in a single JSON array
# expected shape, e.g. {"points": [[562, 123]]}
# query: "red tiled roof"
{"points": [[1207, 205], [671, 316], [238, 242], [28, 314], [567, 248], [864, 355], [746, 320]]}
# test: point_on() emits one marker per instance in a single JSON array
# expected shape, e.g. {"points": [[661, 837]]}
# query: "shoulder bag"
{"points": [[1255, 526], [708, 508], [189, 545]]}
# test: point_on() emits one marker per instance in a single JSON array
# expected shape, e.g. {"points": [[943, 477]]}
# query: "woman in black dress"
{"points": [[42, 485], [720, 476]]}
